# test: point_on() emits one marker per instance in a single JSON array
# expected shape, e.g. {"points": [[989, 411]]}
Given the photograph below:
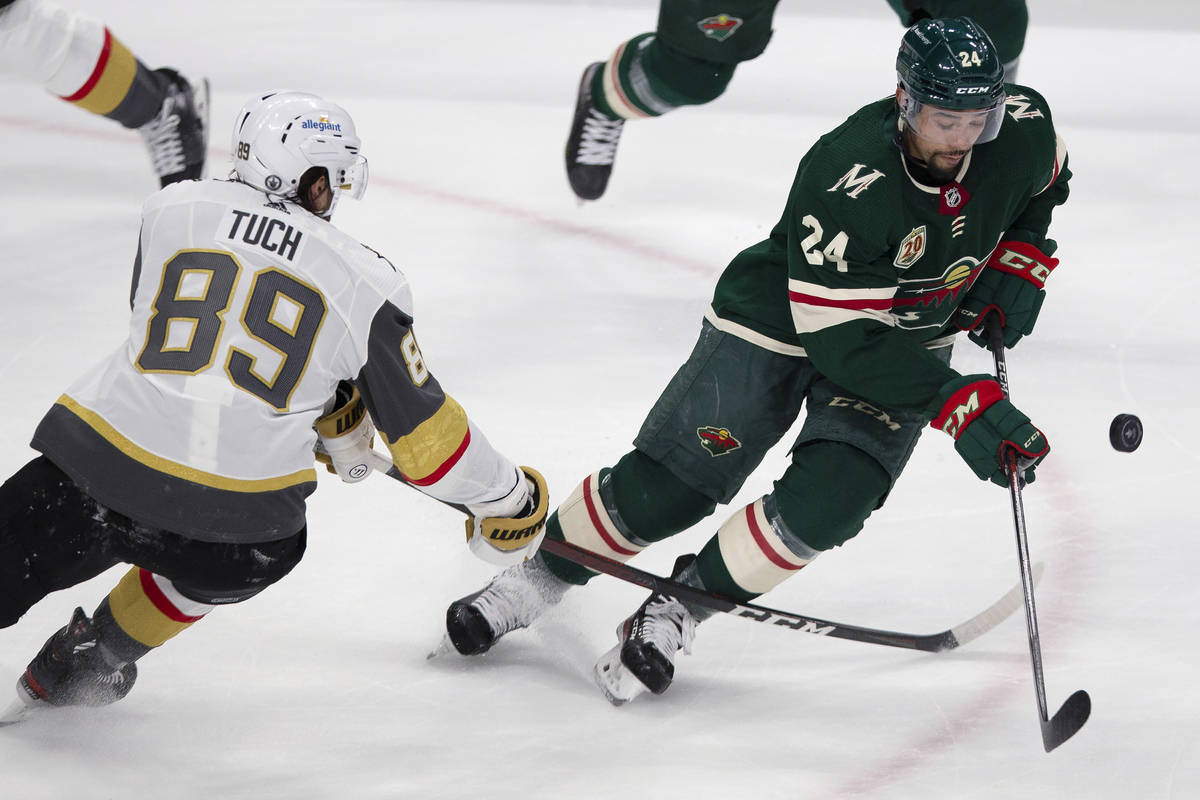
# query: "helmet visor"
{"points": [[947, 127], [353, 179]]}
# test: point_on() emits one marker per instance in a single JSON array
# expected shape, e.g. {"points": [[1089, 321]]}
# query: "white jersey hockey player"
{"points": [[189, 452]]}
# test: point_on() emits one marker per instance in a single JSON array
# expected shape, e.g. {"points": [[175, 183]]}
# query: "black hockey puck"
{"points": [[1125, 433]]}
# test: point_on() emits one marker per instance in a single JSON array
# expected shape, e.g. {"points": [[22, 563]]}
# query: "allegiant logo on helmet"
{"points": [[322, 124]]}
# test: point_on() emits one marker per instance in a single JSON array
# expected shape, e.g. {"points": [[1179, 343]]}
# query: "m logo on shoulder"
{"points": [[855, 184], [1021, 107]]}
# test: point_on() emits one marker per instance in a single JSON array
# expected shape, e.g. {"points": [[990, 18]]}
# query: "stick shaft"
{"points": [[996, 341]]}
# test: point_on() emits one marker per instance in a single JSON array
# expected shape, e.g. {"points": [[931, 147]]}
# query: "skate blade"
{"points": [[618, 684], [443, 647], [16, 711]]}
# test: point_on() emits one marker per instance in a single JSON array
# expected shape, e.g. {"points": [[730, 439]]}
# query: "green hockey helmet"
{"points": [[951, 64]]}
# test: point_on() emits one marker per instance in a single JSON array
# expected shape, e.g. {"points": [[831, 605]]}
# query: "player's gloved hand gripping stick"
{"points": [[1013, 285], [1075, 711], [345, 435], [509, 530], [502, 531]]}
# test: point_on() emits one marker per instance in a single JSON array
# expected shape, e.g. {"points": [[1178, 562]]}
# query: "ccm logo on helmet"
{"points": [[971, 90]]}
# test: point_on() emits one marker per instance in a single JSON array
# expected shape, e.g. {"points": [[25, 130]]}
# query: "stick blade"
{"points": [[1067, 721], [991, 616]]}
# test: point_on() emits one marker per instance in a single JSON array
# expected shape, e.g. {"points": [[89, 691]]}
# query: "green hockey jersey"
{"points": [[864, 272]]}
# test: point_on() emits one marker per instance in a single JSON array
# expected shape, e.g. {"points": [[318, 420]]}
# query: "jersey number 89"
{"points": [[189, 317]]}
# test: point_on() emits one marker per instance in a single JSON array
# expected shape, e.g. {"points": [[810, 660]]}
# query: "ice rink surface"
{"points": [[556, 326]]}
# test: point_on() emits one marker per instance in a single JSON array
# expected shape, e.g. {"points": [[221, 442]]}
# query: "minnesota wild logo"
{"points": [[917, 297], [720, 27], [717, 441]]}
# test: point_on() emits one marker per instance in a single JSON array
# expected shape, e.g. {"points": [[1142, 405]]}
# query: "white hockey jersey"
{"points": [[246, 314]]}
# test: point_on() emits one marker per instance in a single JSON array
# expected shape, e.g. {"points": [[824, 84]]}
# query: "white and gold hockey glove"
{"points": [[509, 530], [345, 435]]}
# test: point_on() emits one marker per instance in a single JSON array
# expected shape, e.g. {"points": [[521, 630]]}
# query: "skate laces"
{"points": [[510, 601], [163, 138], [69, 651], [598, 143], [665, 624]]}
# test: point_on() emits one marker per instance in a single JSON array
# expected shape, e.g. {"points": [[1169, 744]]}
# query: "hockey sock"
{"points": [[618, 512], [828, 491], [646, 78], [121, 87], [753, 552], [557, 566], [143, 611], [118, 646], [653, 504]]}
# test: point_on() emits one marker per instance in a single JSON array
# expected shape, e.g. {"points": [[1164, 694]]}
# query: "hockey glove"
{"points": [[1012, 284], [345, 435], [515, 536], [985, 425]]}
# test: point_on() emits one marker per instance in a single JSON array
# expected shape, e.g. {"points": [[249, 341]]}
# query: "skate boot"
{"points": [[178, 137], [644, 657], [592, 145], [514, 599], [72, 670]]}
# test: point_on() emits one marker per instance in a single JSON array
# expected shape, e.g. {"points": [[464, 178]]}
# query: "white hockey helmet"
{"points": [[278, 136]]}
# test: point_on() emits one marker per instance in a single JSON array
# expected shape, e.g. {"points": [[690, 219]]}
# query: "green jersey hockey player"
{"points": [[918, 217]]}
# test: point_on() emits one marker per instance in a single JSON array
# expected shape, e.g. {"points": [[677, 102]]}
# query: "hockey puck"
{"points": [[1125, 433]]}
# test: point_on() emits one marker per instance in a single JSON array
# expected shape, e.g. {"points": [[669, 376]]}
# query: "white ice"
{"points": [[556, 326]]}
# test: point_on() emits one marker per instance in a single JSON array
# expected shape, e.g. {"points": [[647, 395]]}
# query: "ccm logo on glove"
{"points": [[965, 405], [1024, 260]]}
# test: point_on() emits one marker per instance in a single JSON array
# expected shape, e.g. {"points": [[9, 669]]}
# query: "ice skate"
{"points": [[644, 656], [72, 669], [592, 144], [514, 599], [178, 136]]}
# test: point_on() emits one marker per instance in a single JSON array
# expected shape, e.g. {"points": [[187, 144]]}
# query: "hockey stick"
{"points": [[1078, 707], [948, 639]]}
